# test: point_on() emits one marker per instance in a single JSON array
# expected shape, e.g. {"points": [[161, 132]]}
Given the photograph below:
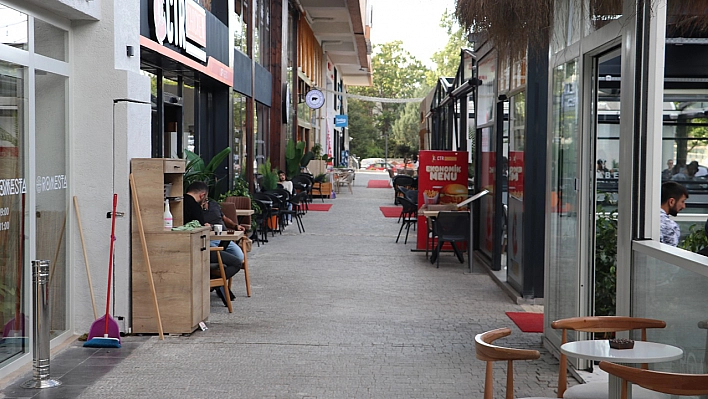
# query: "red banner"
{"points": [[516, 174], [442, 179]]}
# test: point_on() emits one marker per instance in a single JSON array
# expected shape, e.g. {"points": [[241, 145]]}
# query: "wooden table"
{"points": [[237, 236], [244, 212], [643, 352]]}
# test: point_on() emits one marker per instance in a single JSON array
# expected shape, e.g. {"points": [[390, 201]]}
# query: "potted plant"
{"points": [[319, 163], [198, 170], [296, 158]]}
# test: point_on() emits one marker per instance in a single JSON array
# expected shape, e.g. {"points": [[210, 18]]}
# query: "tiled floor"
{"points": [[77, 368]]}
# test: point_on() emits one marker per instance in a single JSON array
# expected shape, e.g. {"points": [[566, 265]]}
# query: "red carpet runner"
{"points": [[527, 321], [391, 211], [378, 184], [319, 207]]}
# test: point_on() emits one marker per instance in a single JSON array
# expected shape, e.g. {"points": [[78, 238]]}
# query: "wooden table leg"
{"points": [[244, 266]]}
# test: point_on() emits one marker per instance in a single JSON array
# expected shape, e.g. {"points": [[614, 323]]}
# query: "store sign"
{"points": [[341, 121], [12, 186], [175, 21]]}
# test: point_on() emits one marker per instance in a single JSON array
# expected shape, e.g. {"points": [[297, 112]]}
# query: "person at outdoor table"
{"points": [[213, 216], [282, 180], [194, 199], [673, 201]]}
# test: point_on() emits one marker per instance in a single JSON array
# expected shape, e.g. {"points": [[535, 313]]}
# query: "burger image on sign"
{"points": [[453, 194]]}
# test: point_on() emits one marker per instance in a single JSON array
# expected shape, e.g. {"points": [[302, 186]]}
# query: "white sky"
{"points": [[415, 22]]}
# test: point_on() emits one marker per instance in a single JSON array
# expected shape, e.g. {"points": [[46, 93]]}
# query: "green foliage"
{"points": [[695, 240], [447, 60], [240, 190], [296, 158], [198, 170], [405, 129], [270, 176], [605, 262], [397, 74]]}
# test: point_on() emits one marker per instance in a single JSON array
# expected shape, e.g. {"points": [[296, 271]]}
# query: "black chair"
{"points": [[278, 205], [410, 217], [412, 195], [261, 233], [399, 182], [303, 182], [452, 227], [297, 202]]}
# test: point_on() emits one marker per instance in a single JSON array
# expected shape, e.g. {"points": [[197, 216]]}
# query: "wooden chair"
{"points": [[490, 353], [598, 324], [222, 282], [658, 381]]}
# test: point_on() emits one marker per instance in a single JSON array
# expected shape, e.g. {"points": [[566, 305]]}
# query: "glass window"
{"points": [[241, 26], [560, 25], [562, 240], [49, 40], [487, 73], [52, 187], [12, 209], [599, 13], [239, 146], [257, 32], [14, 30], [518, 74], [261, 40], [488, 182]]}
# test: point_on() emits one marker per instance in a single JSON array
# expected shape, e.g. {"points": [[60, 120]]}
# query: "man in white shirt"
{"points": [[673, 201]]}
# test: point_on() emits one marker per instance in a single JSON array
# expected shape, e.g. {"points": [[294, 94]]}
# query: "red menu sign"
{"points": [[442, 179]]}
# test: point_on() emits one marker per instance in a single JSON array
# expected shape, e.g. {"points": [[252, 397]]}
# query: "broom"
{"points": [[104, 332]]}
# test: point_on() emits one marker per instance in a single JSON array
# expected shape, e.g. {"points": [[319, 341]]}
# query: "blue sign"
{"points": [[341, 120]]}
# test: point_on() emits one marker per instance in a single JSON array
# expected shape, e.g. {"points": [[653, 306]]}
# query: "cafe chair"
{"points": [[297, 202], [658, 381], [599, 324], [220, 282], [243, 203], [409, 216], [399, 182], [452, 227], [490, 353]]}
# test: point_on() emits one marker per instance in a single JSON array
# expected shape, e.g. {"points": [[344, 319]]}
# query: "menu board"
{"points": [[442, 179]]}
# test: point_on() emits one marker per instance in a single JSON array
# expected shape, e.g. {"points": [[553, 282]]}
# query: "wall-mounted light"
{"points": [[129, 51]]}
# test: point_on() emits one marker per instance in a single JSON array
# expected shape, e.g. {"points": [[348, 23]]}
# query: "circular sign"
{"points": [[314, 99]]}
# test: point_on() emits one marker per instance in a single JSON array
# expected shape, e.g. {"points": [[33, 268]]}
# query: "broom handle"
{"points": [[83, 247], [143, 242], [110, 260]]}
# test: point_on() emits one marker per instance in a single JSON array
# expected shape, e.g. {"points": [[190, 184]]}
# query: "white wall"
{"points": [[102, 147]]}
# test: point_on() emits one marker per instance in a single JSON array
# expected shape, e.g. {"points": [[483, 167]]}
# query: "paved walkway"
{"points": [[340, 311]]}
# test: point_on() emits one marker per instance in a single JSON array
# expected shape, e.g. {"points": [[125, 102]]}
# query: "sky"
{"points": [[415, 22]]}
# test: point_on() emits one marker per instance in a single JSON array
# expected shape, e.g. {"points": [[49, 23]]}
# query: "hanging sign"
{"points": [[341, 120], [314, 99]]}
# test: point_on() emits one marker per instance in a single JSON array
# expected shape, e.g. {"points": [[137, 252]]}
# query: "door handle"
{"points": [[203, 237]]}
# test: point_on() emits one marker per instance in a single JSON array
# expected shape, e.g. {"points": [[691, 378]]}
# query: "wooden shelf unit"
{"points": [[179, 259]]}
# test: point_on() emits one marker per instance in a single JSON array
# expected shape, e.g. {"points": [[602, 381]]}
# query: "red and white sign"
{"points": [[196, 23], [516, 174], [442, 179]]}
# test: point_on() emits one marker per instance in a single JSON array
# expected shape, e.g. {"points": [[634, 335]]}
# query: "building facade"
{"points": [[85, 86]]}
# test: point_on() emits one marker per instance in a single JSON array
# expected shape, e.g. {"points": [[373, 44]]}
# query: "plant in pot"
{"points": [[605, 262], [696, 240], [269, 176], [319, 163], [296, 158], [198, 170]]}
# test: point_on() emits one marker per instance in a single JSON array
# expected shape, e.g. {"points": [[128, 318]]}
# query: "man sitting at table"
{"points": [[213, 216], [194, 199]]}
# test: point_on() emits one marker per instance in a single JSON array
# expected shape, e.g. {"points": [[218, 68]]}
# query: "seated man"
{"points": [[194, 199], [213, 215]]}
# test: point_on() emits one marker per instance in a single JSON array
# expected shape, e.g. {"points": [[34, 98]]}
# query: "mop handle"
{"points": [[110, 260]]}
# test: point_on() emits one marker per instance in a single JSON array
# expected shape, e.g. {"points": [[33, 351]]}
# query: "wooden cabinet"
{"points": [[179, 259]]}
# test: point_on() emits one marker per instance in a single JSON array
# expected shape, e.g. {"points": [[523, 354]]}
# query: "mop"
{"points": [[104, 332]]}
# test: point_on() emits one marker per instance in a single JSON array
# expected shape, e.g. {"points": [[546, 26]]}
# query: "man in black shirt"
{"points": [[194, 200]]}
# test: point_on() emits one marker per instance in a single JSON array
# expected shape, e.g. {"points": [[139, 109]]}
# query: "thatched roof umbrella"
{"points": [[515, 25]]}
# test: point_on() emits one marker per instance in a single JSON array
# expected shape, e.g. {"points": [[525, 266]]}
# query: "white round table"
{"points": [[643, 352]]}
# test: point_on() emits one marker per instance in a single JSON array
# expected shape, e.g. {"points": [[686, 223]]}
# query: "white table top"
{"points": [[643, 352]]}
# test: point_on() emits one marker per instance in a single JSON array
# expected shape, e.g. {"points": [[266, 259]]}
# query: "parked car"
{"points": [[366, 162], [379, 166]]}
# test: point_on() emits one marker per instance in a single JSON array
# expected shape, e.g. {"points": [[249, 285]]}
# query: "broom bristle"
{"points": [[102, 342]]}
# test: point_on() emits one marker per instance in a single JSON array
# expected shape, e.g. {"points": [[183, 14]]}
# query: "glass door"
{"points": [[564, 291], [51, 188]]}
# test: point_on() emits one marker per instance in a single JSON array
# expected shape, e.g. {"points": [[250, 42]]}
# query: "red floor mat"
{"points": [[391, 211], [378, 184], [527, 321], [319, 207]]}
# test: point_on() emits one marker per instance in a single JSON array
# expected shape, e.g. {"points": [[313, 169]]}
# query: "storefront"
{"points": [[185, 51]]}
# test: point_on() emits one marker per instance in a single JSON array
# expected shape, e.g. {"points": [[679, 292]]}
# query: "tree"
{"points": [[405, 129], [366, 139], [447, 60], [396, 74]]}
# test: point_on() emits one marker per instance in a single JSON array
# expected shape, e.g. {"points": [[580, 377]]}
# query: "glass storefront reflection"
{"points": [[562, 287], [51, 188], [14, 318], [13, 28]]}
